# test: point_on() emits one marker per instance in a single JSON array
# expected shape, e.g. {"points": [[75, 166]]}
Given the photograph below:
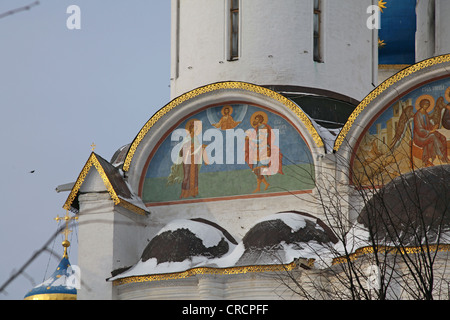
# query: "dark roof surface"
{"points": [[181, 244], [265, 242], [410, 206], [115, 178], [272, 232]]}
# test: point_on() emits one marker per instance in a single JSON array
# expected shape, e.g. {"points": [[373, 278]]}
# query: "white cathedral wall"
{"points": [[442, 27], [272, 51], [236, 216], [250, 286], [433, 28], [109, 238], [318, 284], [95, 245], [425, 34]]}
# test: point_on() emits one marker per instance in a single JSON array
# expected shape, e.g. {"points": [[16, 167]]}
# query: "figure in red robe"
{"points": [[261, 153], [433, 143]]}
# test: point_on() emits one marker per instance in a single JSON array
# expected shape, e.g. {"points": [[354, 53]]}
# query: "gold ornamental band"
{"points": [[406, 72], [221, 86], [208, 271]]}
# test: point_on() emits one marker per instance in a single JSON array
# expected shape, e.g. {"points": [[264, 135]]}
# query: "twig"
{"points": [[24, 8]]}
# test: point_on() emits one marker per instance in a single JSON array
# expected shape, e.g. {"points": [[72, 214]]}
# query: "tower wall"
{"points": [[275, 45]]}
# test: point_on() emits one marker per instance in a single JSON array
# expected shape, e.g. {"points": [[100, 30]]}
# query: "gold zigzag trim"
{"points": [[93, 161], [393, 66], [129, 206], [391, 250], [277, 267], [381, 88], [220, 86], [52, 296], [209, 271]]}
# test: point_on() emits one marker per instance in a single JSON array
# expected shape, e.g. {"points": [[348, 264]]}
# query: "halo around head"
{"points": [[259, 113], [197, 127], [425, 97], [229, 108], [447, 94]]}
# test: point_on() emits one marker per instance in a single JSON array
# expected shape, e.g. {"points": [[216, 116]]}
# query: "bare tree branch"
{"points": [[14, 11]]}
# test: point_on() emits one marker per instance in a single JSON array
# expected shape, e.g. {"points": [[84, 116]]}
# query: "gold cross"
{"points": [[66, 231], [93, 145]]}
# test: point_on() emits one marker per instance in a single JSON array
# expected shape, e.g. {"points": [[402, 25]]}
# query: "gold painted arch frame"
{"points": [[229, 85], [390, 82]]}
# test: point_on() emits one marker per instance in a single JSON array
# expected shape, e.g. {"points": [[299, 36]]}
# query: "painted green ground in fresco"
{"points": [[231, 183]]}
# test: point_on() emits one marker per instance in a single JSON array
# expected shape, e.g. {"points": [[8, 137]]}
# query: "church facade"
{"points": [[287, 123]]}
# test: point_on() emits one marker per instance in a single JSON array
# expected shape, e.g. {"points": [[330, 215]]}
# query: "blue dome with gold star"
{"points": [[60, 286], [398, 31], [63, 283]]}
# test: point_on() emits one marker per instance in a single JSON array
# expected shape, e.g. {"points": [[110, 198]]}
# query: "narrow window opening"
{"points": [[177, 41], [317, 26], [234, 29]]}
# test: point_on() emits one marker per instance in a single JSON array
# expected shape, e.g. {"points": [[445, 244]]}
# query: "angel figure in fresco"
{"points": [[261, 153], [405, 117], [227, 121], [191, 156]]}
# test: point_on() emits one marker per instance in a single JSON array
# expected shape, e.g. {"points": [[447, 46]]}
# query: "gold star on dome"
{"points": [[381, 43], [381, 5]]}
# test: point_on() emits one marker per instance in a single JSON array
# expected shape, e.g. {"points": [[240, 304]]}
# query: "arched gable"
{"points": [[151, 169], [388, 135]]}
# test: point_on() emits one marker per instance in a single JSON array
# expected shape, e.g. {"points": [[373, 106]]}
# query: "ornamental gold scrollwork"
{"points": [[390, 250], [93, 161], [214, 87], [131, 207], [383, 87], [207, 271]]}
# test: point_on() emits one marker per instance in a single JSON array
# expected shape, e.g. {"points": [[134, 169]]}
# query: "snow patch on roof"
{"points": [[210, 236], [237, 254], [294, 221], [328, 135]]}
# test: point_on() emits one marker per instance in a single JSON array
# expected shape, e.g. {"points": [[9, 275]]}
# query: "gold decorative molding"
{"points": [[209, 271], [383, 87], [391, 250], [52, 296], [131, 207], [93, 161], [393, 66], [214, 87]]}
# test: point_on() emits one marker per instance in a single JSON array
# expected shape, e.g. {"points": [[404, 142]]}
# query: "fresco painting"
{"points": [[227, 151], [412, 133]]}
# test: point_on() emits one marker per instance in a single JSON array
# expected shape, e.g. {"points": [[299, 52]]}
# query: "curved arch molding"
{"points": [[401, 126], [382, 88], [214, 87]]}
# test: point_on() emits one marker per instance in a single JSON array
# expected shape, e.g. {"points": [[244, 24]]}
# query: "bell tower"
{"points": [[287, 44]]}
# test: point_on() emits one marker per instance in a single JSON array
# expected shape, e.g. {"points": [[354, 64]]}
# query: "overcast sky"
{"points": [[60, 91]]}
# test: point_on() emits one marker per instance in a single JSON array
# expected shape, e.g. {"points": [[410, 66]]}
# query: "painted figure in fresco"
{"points": [[192, 155], [446, 118], [405, 117], [261, 153], [227, 121], [446, 115], [433, 143]]}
